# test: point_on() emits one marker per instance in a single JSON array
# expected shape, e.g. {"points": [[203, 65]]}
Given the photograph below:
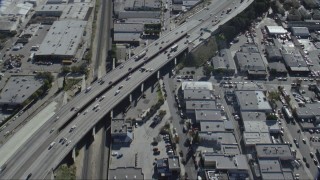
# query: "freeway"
{"points": [[39, 161]]}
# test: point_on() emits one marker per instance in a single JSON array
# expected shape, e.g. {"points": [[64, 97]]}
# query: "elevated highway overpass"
{"points": [[39, 161]]}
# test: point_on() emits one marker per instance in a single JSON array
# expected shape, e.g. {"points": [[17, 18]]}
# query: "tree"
{"points": [[207, 70], [65, 69]]}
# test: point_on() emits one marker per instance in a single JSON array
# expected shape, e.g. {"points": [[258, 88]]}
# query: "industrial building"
{"points": [[253, 101], [300, 31], [276, 30], [251, 64], [77, 11], [121, 131], [224, 62], [62, 40], [18, 89]]}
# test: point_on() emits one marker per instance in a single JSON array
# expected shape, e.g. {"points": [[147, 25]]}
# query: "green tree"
{"points": [[207, 70], [65, 69]]}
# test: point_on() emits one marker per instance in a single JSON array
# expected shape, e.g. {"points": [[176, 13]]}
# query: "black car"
{"points": [[29, 175]]}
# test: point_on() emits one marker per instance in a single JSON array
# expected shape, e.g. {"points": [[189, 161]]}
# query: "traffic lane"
{"points": [[303, 148]]}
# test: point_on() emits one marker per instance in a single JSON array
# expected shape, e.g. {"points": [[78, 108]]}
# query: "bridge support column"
{"points": [[94, 131], [74, 154], [158, 74], [130, 98], [113, 63], [175, 61], [142, 87], [111, 114]]}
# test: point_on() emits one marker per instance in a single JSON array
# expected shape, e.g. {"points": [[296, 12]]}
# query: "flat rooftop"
{"points": [[128, 27], [221, 137], [126, 173], [252, 101], [256, 126], [63, 38], [253, 116], [18, 89], [197, 94], [250, 61], [126, 37], [209, 115], [253, 138], [237, 162], [196, 85], [295, 61], [216, 126], [312, 110], [200, 105], [118, 126], [273, 151]]}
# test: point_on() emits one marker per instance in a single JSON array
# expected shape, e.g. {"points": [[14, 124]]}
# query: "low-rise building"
{"points": [[237, 164], [273, 53], [300, 31], [295, 62], [198, 95], [251, 63], [272, 169], [193, 105], [224, 62], [254, 101], [276, 30], [168, 166], [62, 40], [121, 131], [18, 89], [274, 151], [126, 173], [196, 85]]}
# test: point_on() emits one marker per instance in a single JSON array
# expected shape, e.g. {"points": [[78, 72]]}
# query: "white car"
{"points": [[114, 153]]}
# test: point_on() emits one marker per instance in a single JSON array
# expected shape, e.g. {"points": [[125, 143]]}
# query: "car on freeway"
{"points": [[68, 143], [117, 92], [29, 176], [51, 130], [72, 128], [311, 154]]}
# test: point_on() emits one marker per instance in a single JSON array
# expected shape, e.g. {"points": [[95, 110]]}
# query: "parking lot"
{"points": [[140, 153]]}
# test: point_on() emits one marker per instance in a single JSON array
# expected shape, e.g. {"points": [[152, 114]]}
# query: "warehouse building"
{"points": [[276, 30], [300, 31], [18, 89], [224, 62], [62, 40]]}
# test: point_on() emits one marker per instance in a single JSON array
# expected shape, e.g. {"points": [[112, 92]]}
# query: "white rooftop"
{"points": [[63, 38], [197, 85], [276, 30]]}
